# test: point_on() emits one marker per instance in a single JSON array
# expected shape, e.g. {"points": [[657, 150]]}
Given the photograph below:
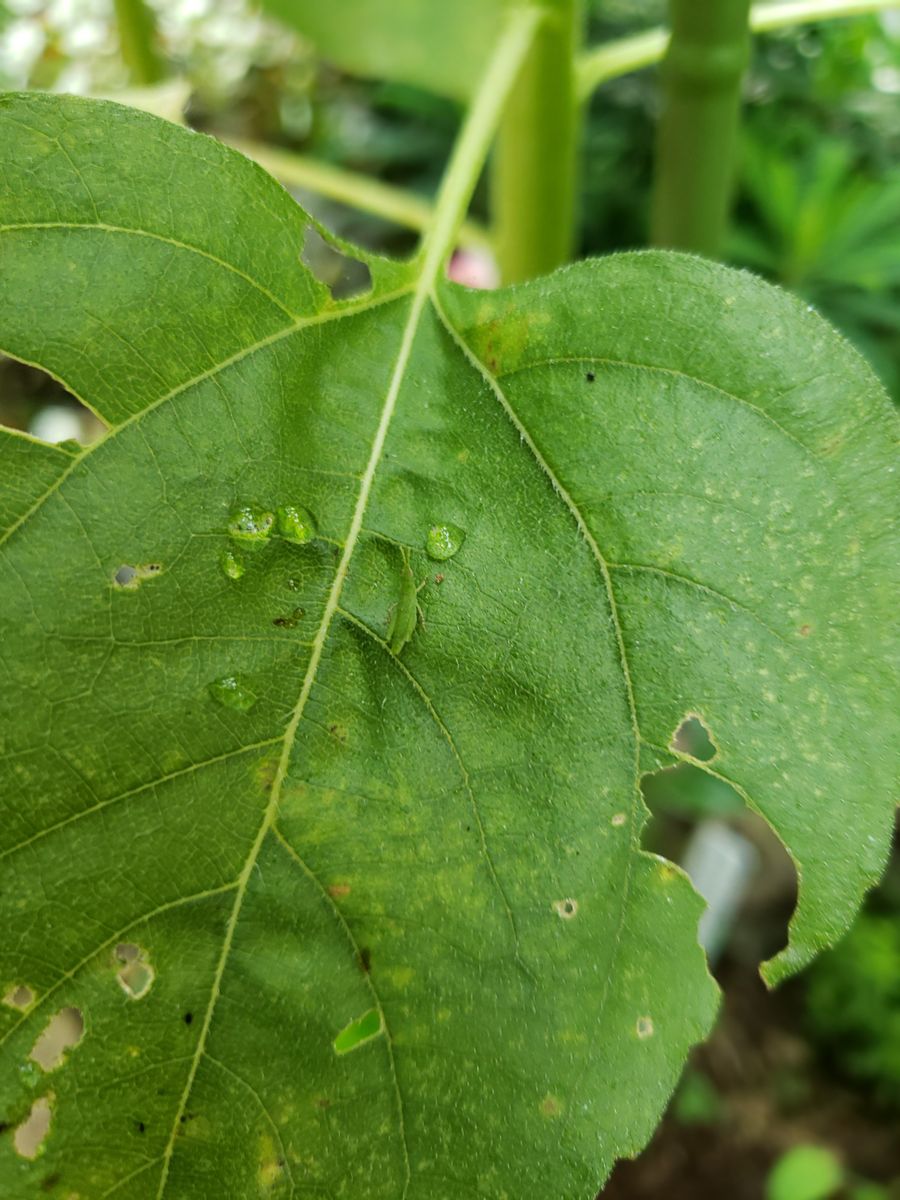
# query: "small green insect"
{"points": [[407, 612]]}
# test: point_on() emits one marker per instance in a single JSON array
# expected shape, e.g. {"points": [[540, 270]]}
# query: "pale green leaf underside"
{"points": [[675, 489], [440, 47]]}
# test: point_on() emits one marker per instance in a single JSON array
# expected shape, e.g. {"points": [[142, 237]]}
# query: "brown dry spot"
{"points": [[338, 889], [805, 630], [551, 1106]]}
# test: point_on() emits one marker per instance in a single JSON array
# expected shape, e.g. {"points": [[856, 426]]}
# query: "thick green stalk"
{"points": [[627, 54], [137, 42], [702, 72], [533, 184]]}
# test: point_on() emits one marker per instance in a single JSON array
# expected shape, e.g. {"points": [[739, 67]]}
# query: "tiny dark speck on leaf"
{"points": [[141, 1126], [365, 958], [51, 1181], [590, 376], [188, 1017]]}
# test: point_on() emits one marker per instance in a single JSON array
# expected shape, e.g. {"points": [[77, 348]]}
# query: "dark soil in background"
{"points": [[773, 1094]]}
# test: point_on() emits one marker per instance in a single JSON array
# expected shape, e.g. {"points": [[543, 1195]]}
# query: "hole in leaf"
{"points": [[62, 1032], [33, 400], [565, 908], [734, 859], [29, 1136], [135, 975], [363, 1029], [131, 577], [693, 738], [19, 996], [344, 276]]}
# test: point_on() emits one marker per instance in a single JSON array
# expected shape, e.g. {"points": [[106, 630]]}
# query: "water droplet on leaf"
{"points": [[231, 565], [251, 525], [443, 541], [296, 524], [230, 693]]}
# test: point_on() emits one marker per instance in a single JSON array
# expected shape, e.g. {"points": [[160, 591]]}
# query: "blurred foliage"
{"points": [[853, 1005], [819, 185], [697, 1102], [805, 1173]]}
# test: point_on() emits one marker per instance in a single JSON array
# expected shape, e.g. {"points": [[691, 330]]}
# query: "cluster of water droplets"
{"points": [[250, 527]]}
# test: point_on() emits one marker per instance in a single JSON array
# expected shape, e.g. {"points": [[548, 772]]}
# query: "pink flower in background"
{"points": [[474, 269]]}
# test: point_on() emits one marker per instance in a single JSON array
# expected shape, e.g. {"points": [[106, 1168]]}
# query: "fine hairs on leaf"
{"points": [[347, 910]]}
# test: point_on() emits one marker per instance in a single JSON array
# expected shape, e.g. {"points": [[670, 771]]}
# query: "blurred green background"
{"points": [[797, 1095]]}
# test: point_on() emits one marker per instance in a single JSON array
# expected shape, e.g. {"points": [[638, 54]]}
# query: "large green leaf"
{"points": [[671, 488], [441, 47]]}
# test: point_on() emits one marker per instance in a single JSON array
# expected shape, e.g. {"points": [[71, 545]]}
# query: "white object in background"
{"points": [[56, 423], [474, 268], [720, 862]]}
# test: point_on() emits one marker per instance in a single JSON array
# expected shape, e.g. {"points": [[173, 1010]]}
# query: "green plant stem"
{"points": [[533, 183], [521, 30], [624, 55], [137, 42], [358, 191], [697, 137]]}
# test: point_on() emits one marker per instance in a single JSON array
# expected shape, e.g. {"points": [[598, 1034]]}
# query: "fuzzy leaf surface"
{"points": [[347, 922]]}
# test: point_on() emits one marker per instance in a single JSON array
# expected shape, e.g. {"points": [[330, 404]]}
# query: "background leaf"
{"points": [[340, 921], [441, 47]]}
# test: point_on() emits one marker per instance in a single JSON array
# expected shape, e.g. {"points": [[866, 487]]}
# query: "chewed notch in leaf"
{"points": [[232, 766]]}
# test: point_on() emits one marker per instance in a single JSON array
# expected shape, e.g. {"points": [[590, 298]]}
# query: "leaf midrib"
{"points": [[420, 297]]}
